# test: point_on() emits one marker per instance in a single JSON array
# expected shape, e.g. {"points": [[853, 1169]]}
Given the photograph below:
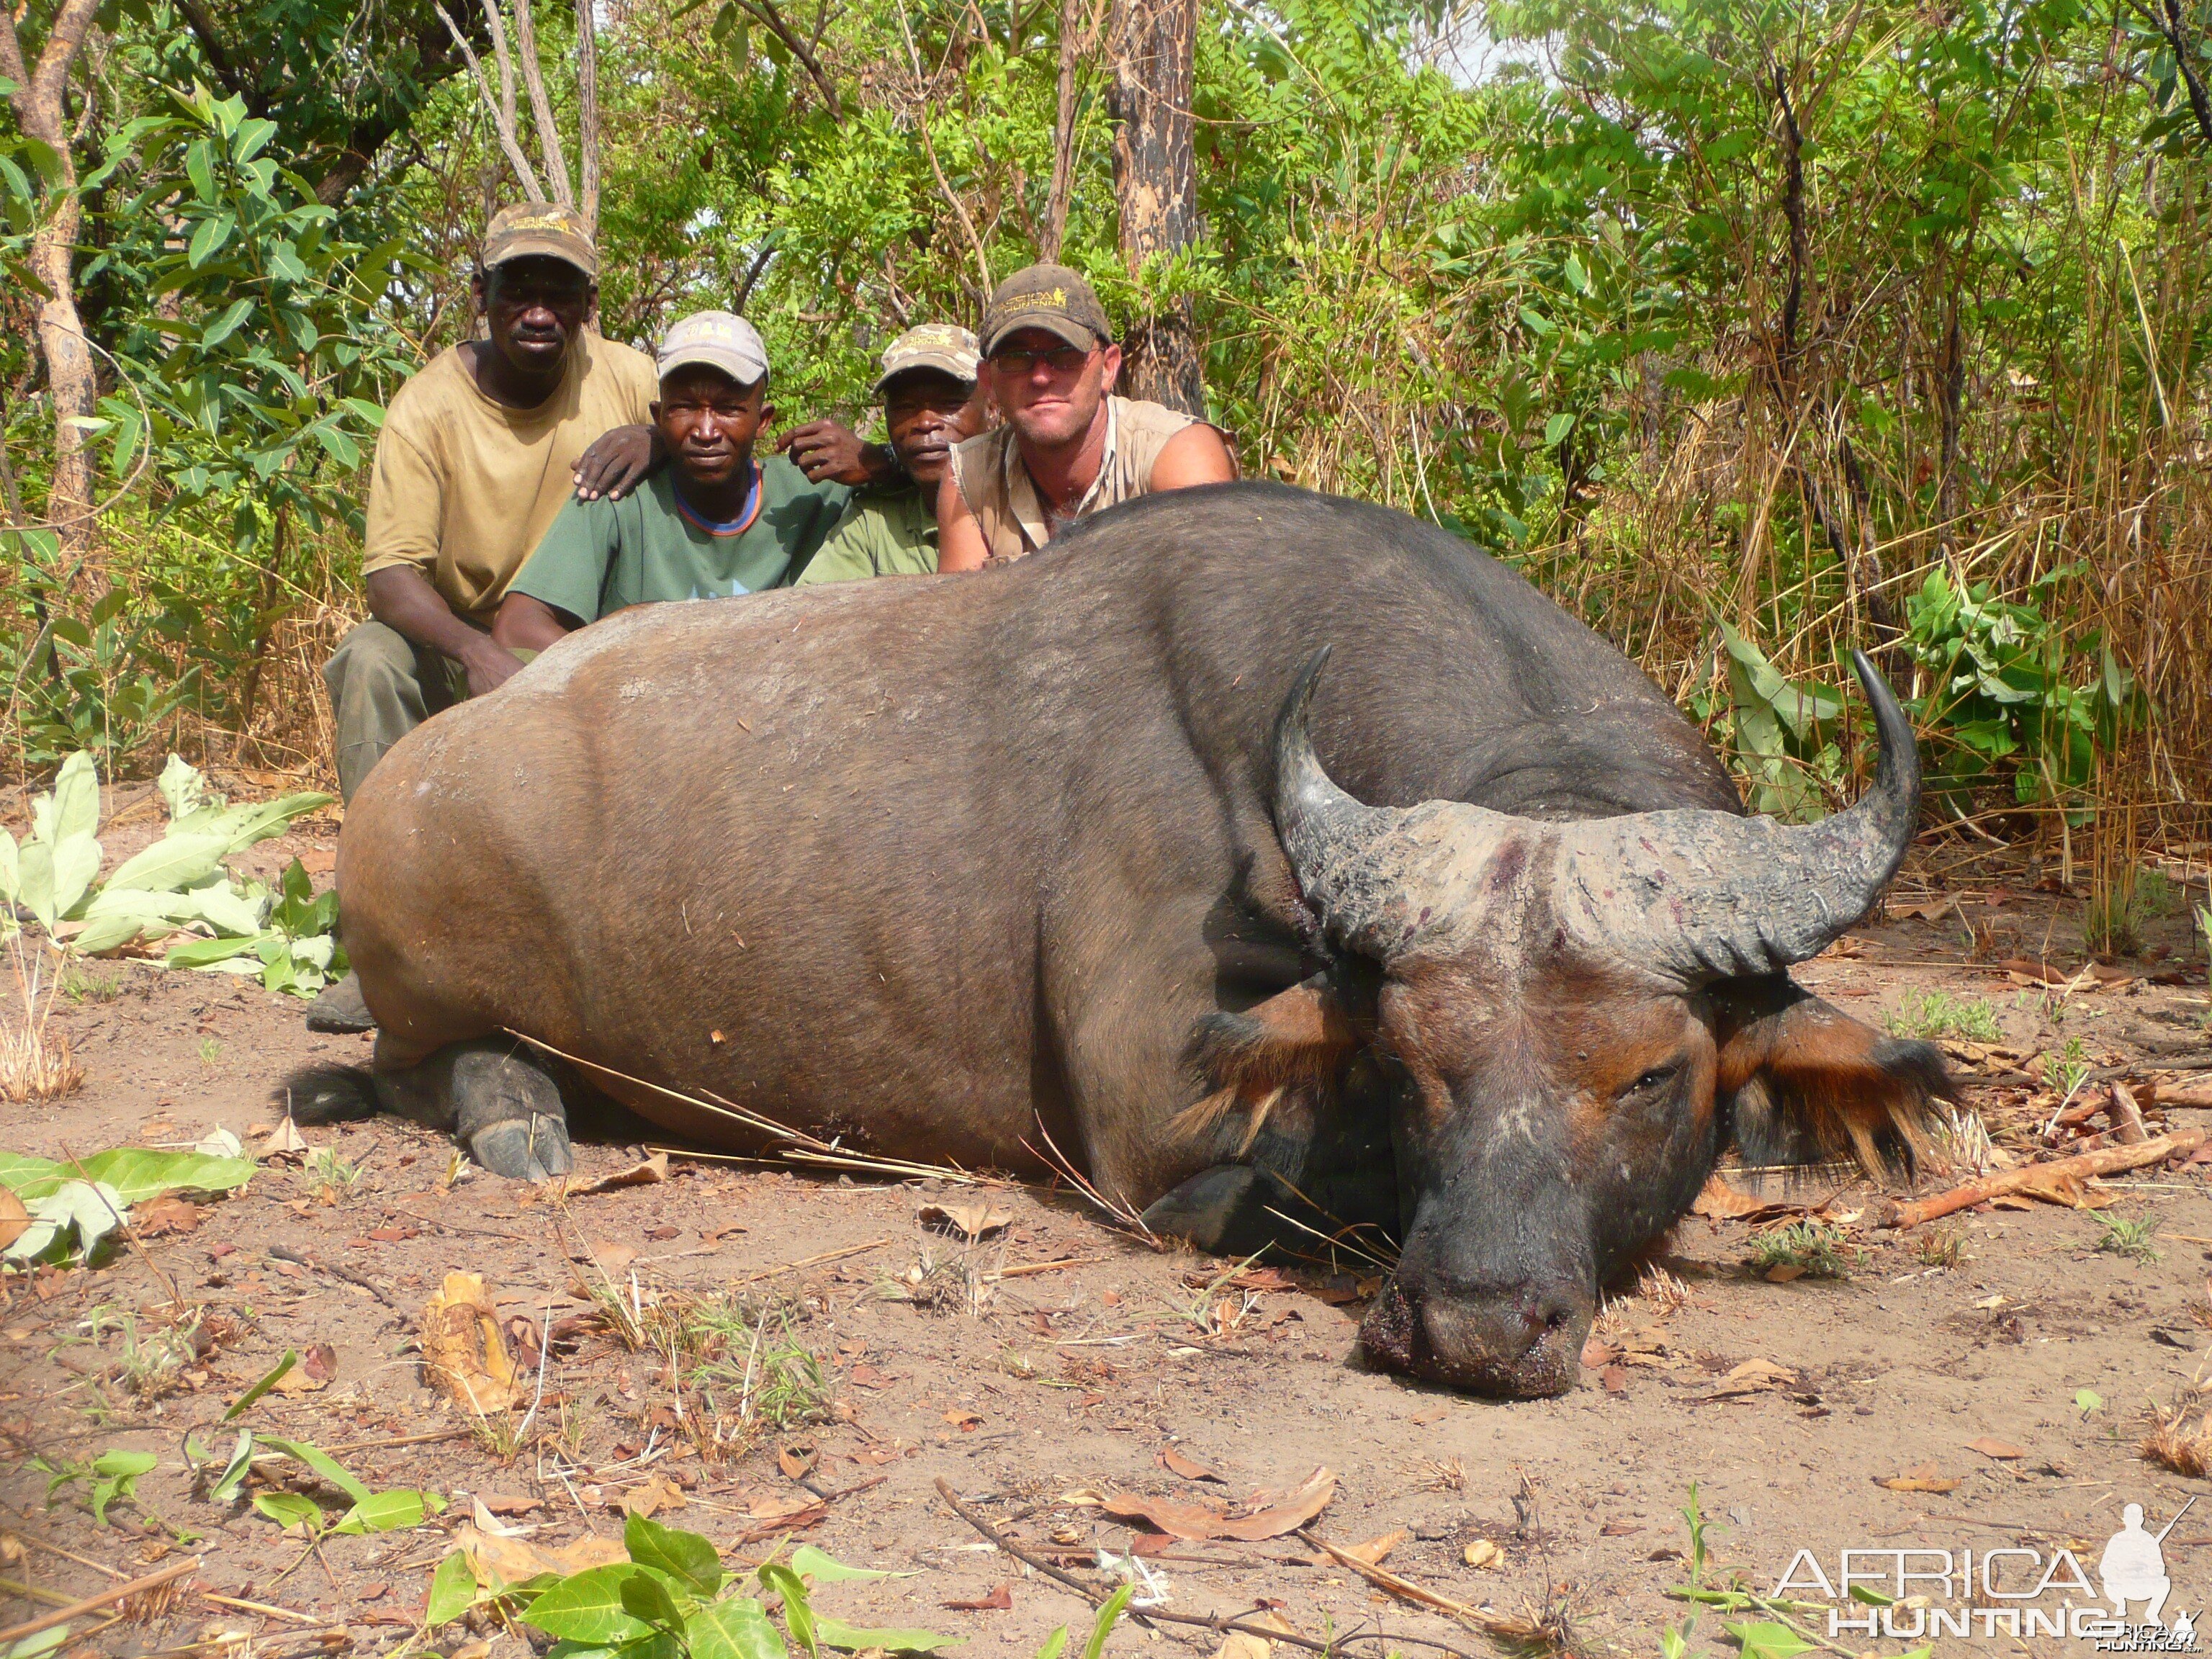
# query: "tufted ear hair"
{"points": [[1276, 1060], [1802, 1082]]}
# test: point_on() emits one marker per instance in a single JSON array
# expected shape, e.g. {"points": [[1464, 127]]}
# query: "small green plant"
{"points": [[332, 1174], [112, 1477], [211, 1050], [1944, 1247], [1813, 1248], [2131, 1239], [1937, 1014], [673, 1597], [152, 1362], [1700, 1557], [367, 1512], [80, 984]]}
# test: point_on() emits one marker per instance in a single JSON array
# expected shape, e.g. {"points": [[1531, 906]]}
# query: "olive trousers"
{"points": [[382, 686]]}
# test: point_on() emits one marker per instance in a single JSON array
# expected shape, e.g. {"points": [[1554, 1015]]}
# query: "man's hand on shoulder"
{"points": [[617, 461], [829, 453], [1195, 455]]}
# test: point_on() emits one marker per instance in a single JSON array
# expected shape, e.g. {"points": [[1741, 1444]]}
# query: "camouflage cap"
{"points": [[945, 347], [1049, 297], [529, 229], [717, 339]]}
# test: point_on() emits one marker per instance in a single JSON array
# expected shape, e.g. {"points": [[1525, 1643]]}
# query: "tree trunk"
{"points": [[41, 102], [1156, 187]]}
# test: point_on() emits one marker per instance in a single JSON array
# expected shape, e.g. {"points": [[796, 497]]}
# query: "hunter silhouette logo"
{"points": [[1913, 1594]]}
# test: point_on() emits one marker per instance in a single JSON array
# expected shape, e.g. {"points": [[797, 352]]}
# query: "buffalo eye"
{"points": [[1654, 1079]]}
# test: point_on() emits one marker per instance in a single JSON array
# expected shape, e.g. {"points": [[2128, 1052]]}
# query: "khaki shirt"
{"points": [[1008, 510], [884, 532], [463, 488]]}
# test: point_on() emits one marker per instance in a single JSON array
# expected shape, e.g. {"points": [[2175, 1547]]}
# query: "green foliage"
{"points": [[2130, 1239], [674, 1597], [112, 1476], [285, 938], [1999, 702], [1937, 1014], [1813, 1248], [77, 1207]]}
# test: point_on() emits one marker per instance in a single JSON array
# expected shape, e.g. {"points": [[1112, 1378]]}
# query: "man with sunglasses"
{"points": [[1069, 447]]}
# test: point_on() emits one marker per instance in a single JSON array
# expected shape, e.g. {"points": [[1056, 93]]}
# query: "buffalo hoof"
{"points": [[509, 1113], [341, 1010], [524, 1149], [1217, 1209]]}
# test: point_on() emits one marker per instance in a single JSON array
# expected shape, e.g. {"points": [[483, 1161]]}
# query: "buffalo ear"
{"points": [[1802, 1082], [1276, 1060]]}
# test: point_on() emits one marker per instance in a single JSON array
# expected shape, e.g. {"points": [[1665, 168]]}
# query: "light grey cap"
{"points": [[719, 340]]}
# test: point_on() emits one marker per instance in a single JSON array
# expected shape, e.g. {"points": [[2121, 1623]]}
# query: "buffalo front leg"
{"points": [[496, 1097]]}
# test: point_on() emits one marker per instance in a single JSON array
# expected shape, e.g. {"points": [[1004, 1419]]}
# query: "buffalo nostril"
{"points": [[1557, 1318]]}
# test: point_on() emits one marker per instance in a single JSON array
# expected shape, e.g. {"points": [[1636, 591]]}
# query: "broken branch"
{"points": [[2107, 1160], [112, 1594]]}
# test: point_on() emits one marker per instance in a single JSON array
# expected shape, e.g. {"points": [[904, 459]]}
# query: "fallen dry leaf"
{"points": [[463, 1354], [653, 1170], [162, 1215], [963, 1421], [1243, 1645], [796, 1460], [14, 1218], [1194, 1523], [1189, 1467], [318, 1365], [1782, 1273], [1483, 1553], [774, 1506], [1375, 1549], [1757, 1374], [650, 1497], [2002, 1451], [970, 1221], [1719, 1201], [498, 1562], [285, 1141], [1922, 1479], [502, 1502], [1000, 1600]]}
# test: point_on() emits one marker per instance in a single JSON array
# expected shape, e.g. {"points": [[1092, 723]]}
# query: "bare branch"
{"points": [[541, 108], [765, 10], [1074, 46], [944, 185], [588, 115], [502, 120]]}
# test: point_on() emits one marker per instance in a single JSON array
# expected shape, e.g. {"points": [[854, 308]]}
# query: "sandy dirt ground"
{"points": [[2006, 1360]]}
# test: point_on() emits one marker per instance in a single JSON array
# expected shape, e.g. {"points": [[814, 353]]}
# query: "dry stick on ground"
{"points": [[1212, 1621], [300, 1258], [112, 1594], [2108, 1160]]}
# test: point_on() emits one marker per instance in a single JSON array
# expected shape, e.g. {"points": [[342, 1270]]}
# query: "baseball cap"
{"points": [[719, 340], [528, 229], [944, 347], [1049, 297]]}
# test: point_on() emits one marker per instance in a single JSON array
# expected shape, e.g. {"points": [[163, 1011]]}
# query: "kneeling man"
{"points": [[712, 524]]}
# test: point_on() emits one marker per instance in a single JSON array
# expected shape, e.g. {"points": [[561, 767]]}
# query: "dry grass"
{"points": [[36, 1064], [1666, 1294], [2173, 1444]]}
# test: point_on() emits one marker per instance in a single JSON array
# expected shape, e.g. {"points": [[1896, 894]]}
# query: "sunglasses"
{"points": [[1062, 359]]}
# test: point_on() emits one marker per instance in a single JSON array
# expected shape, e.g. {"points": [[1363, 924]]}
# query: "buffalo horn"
{"points": [[1692, 895]]}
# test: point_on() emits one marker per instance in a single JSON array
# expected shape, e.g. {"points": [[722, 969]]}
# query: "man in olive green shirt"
{"points": [[713, 523], [930, 403]]}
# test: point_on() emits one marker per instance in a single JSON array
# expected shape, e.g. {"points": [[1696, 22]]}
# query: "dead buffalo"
{"points": [[924, 863]]}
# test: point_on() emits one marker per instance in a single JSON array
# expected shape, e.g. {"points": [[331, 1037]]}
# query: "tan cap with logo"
{"points": [[539, 229], [945, 347], [1049, 297], [719, 340]]}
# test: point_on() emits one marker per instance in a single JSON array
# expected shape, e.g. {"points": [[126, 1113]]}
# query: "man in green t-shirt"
{"points": [[930, 403], [712, 524]]}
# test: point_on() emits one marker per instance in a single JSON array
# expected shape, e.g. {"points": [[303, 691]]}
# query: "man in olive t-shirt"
{"points": [[478, 453], [713, 523], [931, 402]]}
